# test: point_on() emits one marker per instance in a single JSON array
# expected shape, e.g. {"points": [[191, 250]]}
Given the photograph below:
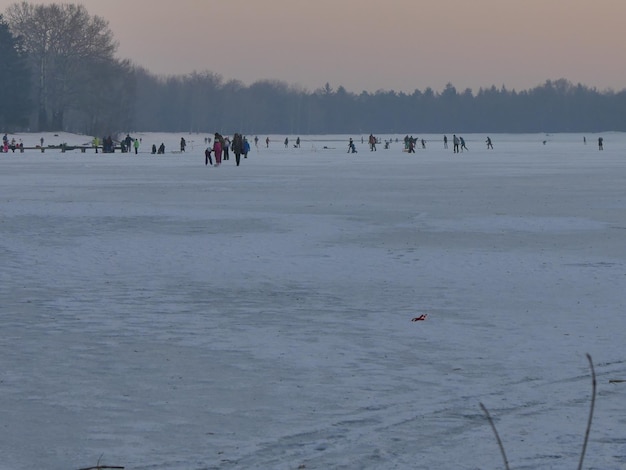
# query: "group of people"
{"points": [[221, 147], [296, 145], [108, 146], [239, 145], [458, 142], [411, 142], [6, 145], [158, 151], [128, 143], [208, 140]]}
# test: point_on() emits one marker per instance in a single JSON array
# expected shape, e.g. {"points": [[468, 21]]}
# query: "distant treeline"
{"points": [[202, 102], [64, 83]]}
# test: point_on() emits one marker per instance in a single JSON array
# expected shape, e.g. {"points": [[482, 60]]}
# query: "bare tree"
{"points": [[63, 42]]}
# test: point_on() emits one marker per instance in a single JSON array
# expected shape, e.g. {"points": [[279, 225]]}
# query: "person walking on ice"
{"points": [[372, 142], [246, 147], [489, 144], [225, 146], [237, 147], [217, 149], [463, 146], [600, 143]]}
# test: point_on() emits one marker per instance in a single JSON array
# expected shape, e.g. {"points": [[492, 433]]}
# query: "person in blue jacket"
{"points": [[246, 147]]}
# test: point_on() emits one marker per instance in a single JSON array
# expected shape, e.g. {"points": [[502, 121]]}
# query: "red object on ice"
{"points": [[422, 317]]}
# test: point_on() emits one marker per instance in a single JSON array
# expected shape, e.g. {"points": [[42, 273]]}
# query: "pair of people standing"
{"points": [[458, 144]]}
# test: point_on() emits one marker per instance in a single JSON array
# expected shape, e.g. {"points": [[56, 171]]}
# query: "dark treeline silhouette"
{"points": [[14, 81], [66, 84], [203, 102]]}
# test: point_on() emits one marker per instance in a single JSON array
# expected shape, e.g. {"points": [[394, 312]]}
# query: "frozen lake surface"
{"points": [[160, 314]]}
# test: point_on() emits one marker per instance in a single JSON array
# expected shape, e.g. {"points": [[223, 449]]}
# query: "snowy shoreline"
{"points": [[277, 140]]}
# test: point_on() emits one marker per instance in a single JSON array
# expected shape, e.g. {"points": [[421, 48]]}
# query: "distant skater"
{"points": [[445, 141], [183, 144], [463, 146], [351, 147], [489, 144], [207, 156], [372, 142], [455, 144], [267, 142], [600, 143], [286, 142]]}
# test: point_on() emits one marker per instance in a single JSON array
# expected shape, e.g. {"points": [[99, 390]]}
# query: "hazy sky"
{"points": [[369, 45]]}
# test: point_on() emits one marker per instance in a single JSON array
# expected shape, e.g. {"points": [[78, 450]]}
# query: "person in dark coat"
{"points": [[237, 147]]}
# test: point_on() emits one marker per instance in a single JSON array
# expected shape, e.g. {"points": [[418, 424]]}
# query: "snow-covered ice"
{"points": [[157, 313]]}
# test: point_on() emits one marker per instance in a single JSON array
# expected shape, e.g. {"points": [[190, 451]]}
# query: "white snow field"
{"points": [[160, 314]]}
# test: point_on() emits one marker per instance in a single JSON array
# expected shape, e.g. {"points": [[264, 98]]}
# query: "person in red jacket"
{"points": [[217, 149]]}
